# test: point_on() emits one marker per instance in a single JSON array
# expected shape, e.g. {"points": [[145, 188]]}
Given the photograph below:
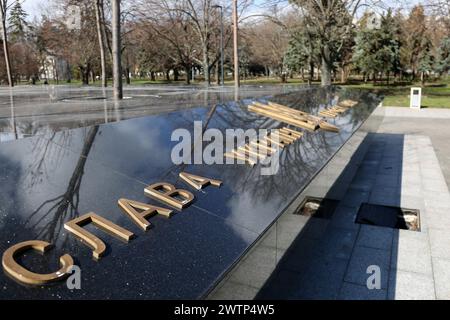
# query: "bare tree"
{"points": [[204, 22], [440, 8], [4, 8], [101, 39], [117, 50]]}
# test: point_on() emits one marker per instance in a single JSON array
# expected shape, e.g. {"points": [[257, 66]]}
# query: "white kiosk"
{"points": [[416, 98]]}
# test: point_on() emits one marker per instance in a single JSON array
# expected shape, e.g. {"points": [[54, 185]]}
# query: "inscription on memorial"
{"points": [[138, 212], [170, 196]]}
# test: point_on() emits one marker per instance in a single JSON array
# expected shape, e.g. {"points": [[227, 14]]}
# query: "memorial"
{"points": [[57, 187]]}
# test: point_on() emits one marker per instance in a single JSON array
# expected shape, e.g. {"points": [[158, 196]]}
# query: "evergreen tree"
{"points": [[443, 63], [17, 22], [391, 44], [426, 59], [377, 49], [297, 56]]}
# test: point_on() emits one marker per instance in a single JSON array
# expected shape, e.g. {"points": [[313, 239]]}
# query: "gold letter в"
{"points": [[198, 182], [140, 218], [168, 194], [76, 227], [23, 275]]}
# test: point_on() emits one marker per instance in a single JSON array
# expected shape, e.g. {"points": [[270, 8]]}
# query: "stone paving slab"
{"points": [[362, 258], [411, 286], [411, 252], [441, 268], [375, 237], [400, 112], [350, 291], [329, 259]]}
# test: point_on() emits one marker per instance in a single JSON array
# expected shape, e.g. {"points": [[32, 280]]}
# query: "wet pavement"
{"points": [[34, 110]]}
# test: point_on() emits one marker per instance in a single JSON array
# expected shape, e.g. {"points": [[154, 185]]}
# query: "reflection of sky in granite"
{"points": [[50, 179], [38, 110]]}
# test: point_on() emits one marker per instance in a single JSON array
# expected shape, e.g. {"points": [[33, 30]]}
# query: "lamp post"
{"points": [[222, 75], [237, 83]]}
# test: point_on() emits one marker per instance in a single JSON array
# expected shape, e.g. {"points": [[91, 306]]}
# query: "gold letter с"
{"points": [[23, 275]]}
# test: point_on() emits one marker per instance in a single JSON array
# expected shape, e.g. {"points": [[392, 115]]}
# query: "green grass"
{"points": [[434, 95], [427, 101], [266, 81]]}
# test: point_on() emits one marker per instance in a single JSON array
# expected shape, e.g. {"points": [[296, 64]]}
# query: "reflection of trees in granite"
{"points": [[65, 206], [91, 111], [13, 114], [300, 161], [43, 151]]}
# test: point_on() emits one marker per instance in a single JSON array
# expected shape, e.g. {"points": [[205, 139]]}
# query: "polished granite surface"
{"points": [[27, 111], [53, 177]]}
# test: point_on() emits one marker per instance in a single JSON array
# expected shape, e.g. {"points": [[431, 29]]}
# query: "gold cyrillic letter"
{"points": [[198, 182], [167, 193], [76, 227], [23, 275], [131, 208]]}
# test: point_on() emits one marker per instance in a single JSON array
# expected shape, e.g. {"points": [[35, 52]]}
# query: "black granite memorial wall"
{"points": [[51, 179]]}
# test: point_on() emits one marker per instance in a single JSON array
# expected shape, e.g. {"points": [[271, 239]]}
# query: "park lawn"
{"points": [[435, 95], [427, 101], [266, 81]]}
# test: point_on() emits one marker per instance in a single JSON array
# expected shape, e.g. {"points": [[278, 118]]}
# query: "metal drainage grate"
{"points": [[390, 217], [317, 208]]}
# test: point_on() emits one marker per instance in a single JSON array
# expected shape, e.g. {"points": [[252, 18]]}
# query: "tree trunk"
{"points": [[69, 73], [326, 74], [311, 72], [116, 50], [187, 70], [85, 71], [176, 75], [101, 42], [127, 76], [55, 72], [343, 76], [326, 66], [218, 72], [206, 70], [152, 76], [6, 47], [84, 78]]}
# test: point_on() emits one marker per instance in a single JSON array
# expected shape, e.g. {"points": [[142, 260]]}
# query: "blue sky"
{"points": [[32, 7]]}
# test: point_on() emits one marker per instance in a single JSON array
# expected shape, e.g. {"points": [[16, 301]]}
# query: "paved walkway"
{"points": [[396, 165]]}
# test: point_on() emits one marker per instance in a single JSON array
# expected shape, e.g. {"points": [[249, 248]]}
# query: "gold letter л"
{"points": [[76, 227]]}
